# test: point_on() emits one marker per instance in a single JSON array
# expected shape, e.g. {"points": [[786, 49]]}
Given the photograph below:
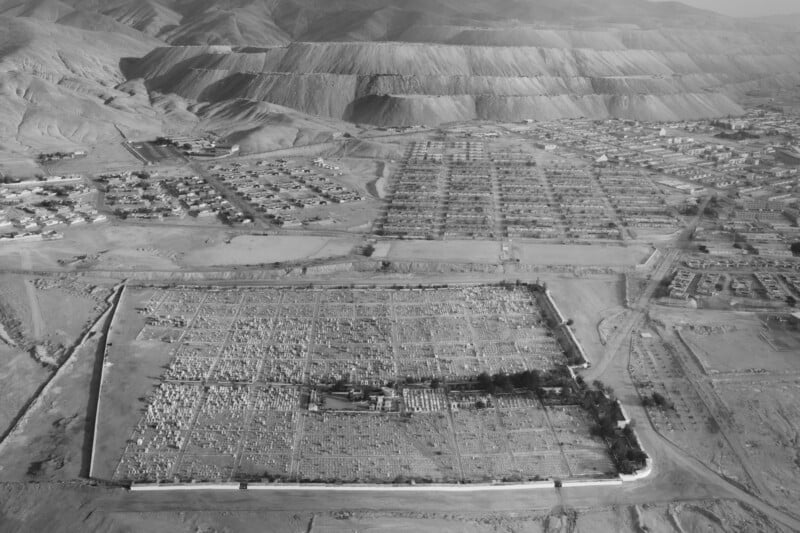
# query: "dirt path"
{"points": [[37, 321], [675, 473], [714, 406], [613, 370], [639, 307], [96, 328], [669, 459]]}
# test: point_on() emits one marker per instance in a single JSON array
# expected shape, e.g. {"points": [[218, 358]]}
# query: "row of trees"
{"points": [[599, 401], [557, 386], [625, 448], [528, 380]]}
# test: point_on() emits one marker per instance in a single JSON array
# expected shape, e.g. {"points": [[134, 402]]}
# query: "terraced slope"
{"points": [[400, 83], [385, 62]]}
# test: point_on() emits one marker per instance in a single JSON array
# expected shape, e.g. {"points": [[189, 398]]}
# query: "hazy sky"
{"points": [[747, 8]]}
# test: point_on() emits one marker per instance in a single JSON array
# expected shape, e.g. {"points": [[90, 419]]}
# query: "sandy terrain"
{"points": [[445, 251], [131, 371], [18, 166], [766, 413], [53, 438], [580, 255], [112, 247], [254, 250], [28, 509], [20, 376], [587, 302], [53, 442], [45, 321], [101, 157], [724, 459], [732, 342]]}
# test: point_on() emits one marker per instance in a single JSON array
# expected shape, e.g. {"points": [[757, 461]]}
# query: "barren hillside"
{"points": [[379, 62], [390, 63], [655, 76]]}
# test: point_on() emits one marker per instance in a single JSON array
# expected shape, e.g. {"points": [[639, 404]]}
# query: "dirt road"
{"points": [[612, 369]]}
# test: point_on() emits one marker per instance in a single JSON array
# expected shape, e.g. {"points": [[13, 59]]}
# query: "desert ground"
{"points": [[715, 463], [319, 265]]}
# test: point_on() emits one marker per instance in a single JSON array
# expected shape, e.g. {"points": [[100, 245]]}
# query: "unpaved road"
{"points": [[37, 322]]}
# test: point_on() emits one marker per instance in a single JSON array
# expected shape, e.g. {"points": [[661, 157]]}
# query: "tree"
{"points": [[637, 456], [503, 382], [659, 399], [485, 382], [627, 467], [434, 383], [795, 248]]}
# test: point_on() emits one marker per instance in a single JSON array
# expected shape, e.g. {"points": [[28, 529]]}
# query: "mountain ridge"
{"points": [[383, 62]]}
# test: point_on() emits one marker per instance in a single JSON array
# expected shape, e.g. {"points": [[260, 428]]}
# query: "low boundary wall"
{"points": [[462, 488], [575, 344], [465, 487]]}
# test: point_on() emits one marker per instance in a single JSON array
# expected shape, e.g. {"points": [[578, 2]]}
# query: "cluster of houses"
{"points": [[753, 153], [148, 196], [467, 189], [32, 209], [138, 195], [281, 190]]}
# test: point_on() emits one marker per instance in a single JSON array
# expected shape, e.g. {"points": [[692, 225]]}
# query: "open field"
{"points": [[765, 412], [153, 154], [728, 380], [100, 157], [579, 255], [445, 251], [61, 509], [20, 376], [20, 373], [43, 318], [253, 250], [689, 422], [526, 253], [237, 368], [18, 166], [736, 342], [55, 441], [143, 247], [134, 366], [113, 247], [587, 302], [739, 345]]}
